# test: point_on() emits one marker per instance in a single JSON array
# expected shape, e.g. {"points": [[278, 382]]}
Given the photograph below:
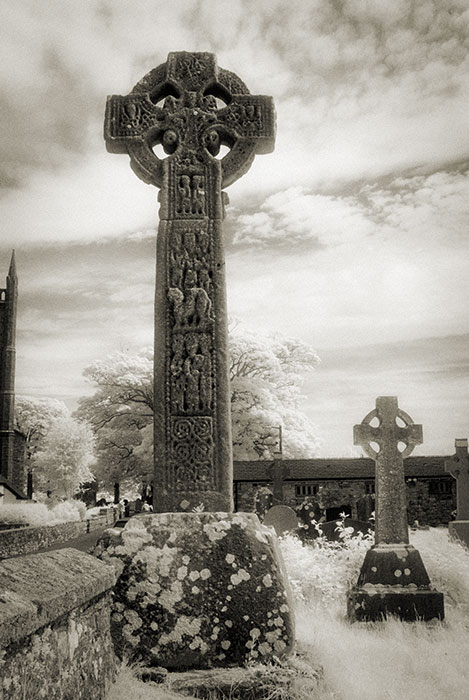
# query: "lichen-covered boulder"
{"points": [[197, 590]]}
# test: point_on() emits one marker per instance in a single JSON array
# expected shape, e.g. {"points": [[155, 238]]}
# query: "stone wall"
{"points": [[427, 507], [54, 627], [27, 540], [425, 502]]}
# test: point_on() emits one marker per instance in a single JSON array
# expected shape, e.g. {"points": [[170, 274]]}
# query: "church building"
{"points": [[12, 441]]}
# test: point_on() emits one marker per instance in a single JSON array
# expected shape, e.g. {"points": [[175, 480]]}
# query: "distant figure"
{"points": [[126, 508], [138, 505], [147, 508]]}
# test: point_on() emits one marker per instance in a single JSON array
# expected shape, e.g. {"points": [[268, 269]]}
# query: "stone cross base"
{"points": [[459, 530], [393, 581], [198, 590], [377, 602]]}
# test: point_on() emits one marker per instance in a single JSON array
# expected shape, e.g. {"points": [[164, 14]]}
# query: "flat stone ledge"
{"points": [[39, 588]]}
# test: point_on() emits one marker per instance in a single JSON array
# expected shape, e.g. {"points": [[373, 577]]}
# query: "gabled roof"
{"points": [[346, 468]]}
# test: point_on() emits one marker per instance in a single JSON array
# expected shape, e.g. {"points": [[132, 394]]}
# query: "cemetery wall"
{"points": [[54, 614], [27, 540]]}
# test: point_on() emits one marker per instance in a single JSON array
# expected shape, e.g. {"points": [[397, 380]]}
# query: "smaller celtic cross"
{"points": [[391, 502], [458, 467]]}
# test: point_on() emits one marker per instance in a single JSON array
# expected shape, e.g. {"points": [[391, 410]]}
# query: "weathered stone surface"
{"points": [[54, 627], [394, 427], [458, 467], [197, 590], [282, 518], [38, 588], [393, 579], [175, 107], [378, 602]]}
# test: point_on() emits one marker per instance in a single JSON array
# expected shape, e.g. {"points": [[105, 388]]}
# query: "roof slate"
{"points": [[339, 469]]}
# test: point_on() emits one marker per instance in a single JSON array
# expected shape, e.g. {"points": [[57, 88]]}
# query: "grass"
{"points": [[389, 660]]}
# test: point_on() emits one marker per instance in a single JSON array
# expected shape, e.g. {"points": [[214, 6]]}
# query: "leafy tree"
{"points": [[62, 464], [120, 413], [59, 450], [266, 375]]}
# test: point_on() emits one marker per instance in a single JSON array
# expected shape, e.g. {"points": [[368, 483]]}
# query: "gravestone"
{"points": [[282, 518], [186, 574], [393, 579], [458, 467]]}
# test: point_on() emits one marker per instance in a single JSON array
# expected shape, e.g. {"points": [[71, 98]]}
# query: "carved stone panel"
{"points": [[191, 453]]}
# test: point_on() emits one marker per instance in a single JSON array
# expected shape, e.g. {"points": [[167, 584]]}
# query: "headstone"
{"points": [[179, 602], [393, 579], [458, 467], [282, 518]]}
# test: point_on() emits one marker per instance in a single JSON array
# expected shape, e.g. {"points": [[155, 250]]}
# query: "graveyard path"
{"points": [[85, 543]]}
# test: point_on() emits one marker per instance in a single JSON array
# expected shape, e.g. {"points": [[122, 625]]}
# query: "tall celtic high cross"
{"points": [[188, 108], [394, 426]]}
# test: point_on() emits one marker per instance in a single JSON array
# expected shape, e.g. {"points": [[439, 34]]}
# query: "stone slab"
{"points": [[38, 588], [282, 518], [459, 530], [375, 603], [197, 590]]}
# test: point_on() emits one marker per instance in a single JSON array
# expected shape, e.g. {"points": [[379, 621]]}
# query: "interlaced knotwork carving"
{"points": [[191, 453]]}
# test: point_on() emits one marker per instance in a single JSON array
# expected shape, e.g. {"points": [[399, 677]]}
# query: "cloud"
{"points": [[294, 217]]}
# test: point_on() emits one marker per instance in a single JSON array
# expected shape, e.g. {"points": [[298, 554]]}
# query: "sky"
{"points": [[353, 235]]}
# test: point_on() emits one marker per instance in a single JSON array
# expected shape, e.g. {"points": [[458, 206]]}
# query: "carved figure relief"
{"points": [[191, 378], [190, 195]]}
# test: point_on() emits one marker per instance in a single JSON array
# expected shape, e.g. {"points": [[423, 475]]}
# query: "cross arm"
{"points": [[128, 119], [251, 117]]}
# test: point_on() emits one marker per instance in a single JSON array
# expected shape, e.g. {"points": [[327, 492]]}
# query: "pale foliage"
{"points": [[266, 374], [34, 417], [392, 659], [62, 464], [59, 449], [120, 413], [37, 514]]}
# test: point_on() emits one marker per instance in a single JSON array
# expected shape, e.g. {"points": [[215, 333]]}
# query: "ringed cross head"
{"points": [[388, 433], [178, 105]]}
